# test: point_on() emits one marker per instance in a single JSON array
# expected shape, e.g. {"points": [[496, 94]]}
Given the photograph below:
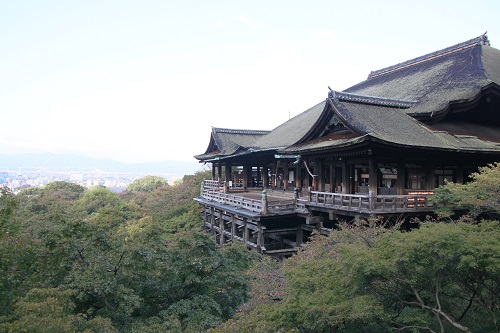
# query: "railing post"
{"points": [[264, 202], [295, 197], [202, 187], [372, 198]]}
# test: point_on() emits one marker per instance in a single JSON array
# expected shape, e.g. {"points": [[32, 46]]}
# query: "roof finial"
{"points": [[331, 94], [484, 39]]}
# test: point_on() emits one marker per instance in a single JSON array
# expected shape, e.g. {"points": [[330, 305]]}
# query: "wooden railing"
{"points": [[211, 184], [348, 202], [372, 204], [233, 200]]}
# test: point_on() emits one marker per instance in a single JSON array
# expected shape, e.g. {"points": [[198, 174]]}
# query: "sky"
{"points": [[145, 81]]}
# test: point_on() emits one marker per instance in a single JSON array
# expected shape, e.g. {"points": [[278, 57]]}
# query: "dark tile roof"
{"points": [[389, 123], [226, 141], [291, 131], [385, 107], [457, 73]]}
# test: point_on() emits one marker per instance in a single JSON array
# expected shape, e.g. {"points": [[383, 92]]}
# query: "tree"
{"points": [[72, 253], [51, 311], [147, 184], [187, 281], [481, 196]]}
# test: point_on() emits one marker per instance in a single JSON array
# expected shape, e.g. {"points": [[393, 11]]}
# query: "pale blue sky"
{"points": [[140, 81]]}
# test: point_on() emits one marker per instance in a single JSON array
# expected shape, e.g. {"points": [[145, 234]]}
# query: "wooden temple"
{"points": [[378, 148]]}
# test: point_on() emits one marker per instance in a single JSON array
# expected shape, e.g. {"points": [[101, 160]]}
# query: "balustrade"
{"points": [[348, 202]]}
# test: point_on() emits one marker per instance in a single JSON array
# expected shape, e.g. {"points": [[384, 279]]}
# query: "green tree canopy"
{"points": [[481, 196], [147, 184]]}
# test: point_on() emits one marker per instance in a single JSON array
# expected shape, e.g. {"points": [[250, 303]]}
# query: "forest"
{"points": [[74, 259]]}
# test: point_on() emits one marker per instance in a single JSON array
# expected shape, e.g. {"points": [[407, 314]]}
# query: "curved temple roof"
{"points": [[392, 105]]}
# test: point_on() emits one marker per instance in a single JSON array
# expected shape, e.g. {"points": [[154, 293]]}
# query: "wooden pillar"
{"points": [[214, 231], [285, 176], [373, 176], [460, 174], [205, 217], [298, 175], [260, 236], [233, 227], [221, 227], [332, 176], [275, 173], [245, 176], [219, 173], [212, 217], [300, 236], [429, 177], [264, 202], [265, 176], [318, 181], [259, 176], [245, 231], [308, 175], [400, 181], [213, 171], [346, 183], [228, 175]]}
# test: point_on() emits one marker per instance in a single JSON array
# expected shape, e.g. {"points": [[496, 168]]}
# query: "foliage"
{"points": [[373, 278], [83, 260], [7, 207], [147, 184], [481, 196], [52, 311], [445, 275]]}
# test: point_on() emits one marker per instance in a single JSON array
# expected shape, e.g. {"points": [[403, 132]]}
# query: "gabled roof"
{"points": [[225, 142], [385, 120]]}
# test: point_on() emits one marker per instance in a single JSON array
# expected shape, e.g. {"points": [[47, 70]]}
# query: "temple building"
{"points": [[378, 148]]}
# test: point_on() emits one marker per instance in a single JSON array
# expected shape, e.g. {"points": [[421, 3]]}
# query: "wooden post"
{"points": [[260, 236], [264, 202], [259, 176], [265, 176], [233, 227], [212, 217], [429, 177], [460, 174], [221, 227], [285, 176], [245, 176], [299, 239], [373, 177], [205, 217], [400, 181], [332, 177], [219, 173], [346, 185], [228, 176], [245, 231], [298, 175], [275, 174]]}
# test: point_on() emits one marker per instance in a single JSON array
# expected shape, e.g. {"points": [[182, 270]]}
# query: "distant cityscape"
{"points": [[115, 181], [100, 172]]}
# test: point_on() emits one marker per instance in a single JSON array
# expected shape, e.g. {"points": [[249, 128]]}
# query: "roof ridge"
{"points": [[373, 100], [239, 131], [483, 39]]}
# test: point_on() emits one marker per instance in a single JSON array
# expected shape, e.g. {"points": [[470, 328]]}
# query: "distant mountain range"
{"points": [[68, 162]]}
